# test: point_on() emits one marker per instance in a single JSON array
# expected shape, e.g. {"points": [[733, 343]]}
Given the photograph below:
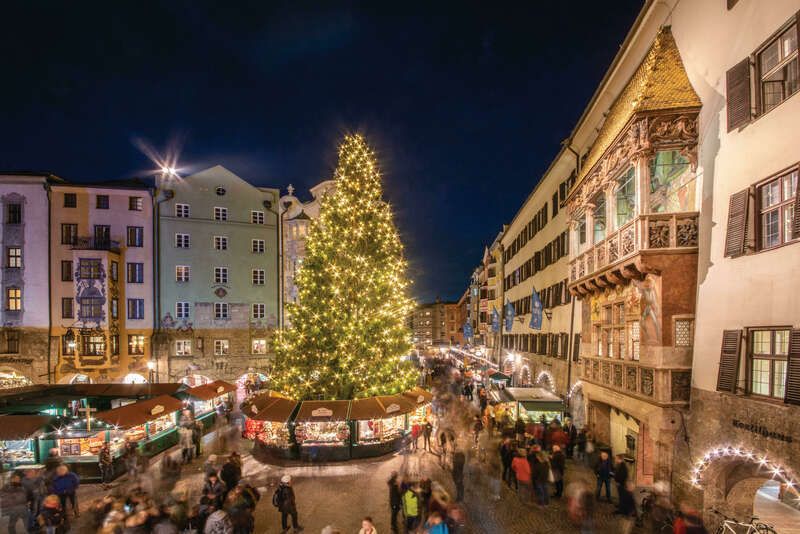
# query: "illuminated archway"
{"points": [[134, 378], [546, 379], [576, 405], [767, 467], [75, 378], [525, 376]]}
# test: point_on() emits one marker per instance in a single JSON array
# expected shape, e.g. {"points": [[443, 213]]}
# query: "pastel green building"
{"points": [[218, 275]]}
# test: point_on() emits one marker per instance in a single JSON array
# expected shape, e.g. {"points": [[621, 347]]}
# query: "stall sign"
{"points": [[392, 408], [420, 399], [322, 412], [220, 389], [157, 409]]}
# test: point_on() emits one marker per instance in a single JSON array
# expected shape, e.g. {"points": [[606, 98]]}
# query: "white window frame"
{"points": [[257, 246], [258, 310], [181, 279], [182, 211], [220, 242], [258, 346], [183, 240], [258, 277], [221, 275], [256, 217], [220, 213], [222, 311], [182, 310], [222, 347], [183, 347]]}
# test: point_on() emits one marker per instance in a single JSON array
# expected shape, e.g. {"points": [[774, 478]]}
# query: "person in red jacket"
{"points": [[688, 522], [522, 470]]}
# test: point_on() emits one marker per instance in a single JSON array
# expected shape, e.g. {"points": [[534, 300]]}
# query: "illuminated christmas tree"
{"points": [[348, 331]]}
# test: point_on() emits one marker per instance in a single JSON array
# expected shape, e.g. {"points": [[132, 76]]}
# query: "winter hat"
{"points": [[286, 479]]}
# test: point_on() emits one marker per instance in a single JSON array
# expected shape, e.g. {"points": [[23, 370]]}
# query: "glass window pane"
{"points": [[762, 342], [770, 229], [779, 379], [770, 57], [788, 42], [782, 342], [672, 183], [626, 197], [599, 217], [788, 216], [760, 379], [770, 194], [789, 185]]}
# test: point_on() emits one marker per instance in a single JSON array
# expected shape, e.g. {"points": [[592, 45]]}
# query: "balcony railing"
{"points": [[653, 231], [655, 384], [90, 243]]}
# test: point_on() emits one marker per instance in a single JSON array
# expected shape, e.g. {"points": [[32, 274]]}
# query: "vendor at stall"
{"points": [[149, 423], [203, 400], [19, 439], [380, 419], [267, 420]]}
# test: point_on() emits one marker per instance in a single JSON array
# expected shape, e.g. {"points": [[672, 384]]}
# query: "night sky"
{"points": [[465, 103]]}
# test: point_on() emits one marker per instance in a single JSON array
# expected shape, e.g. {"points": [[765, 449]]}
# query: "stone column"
{"points": [[589, 225]]}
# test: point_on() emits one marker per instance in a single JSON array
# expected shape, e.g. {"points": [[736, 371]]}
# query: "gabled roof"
{"points": [[302, 216], [660, 83]]}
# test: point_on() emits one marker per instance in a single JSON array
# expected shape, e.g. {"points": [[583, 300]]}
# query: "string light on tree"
{"points": [[348, 331]]}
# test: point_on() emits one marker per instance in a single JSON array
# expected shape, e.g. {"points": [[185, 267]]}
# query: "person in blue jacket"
{"points": [[65, 485]]}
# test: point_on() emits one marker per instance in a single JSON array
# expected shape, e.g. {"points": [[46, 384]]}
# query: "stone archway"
{"points": [[546, 380], [525, 376], [577, 405]]}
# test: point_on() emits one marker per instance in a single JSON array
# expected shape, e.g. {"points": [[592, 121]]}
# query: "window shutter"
{"points": [[729, 360], [796, 221], [576, 347], [793, 369], [738, 94], [736, 231]]}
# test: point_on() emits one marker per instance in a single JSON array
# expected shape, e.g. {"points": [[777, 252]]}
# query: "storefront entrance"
{"points": [[625, 439]]}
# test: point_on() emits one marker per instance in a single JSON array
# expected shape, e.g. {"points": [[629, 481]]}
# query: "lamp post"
{"points": [[151, 365]]}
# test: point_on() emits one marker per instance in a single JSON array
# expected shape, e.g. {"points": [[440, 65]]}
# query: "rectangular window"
{"points": [[257, 217], [135, 236], [776, 202], [114, 308], [259, 346], [114, 271], [90, 268], [93, 345], [102, 236], [14, 257], [182, 241], [769, 349], [135, 203], [626, 197], [14, 213], [67, 308], [599, 217], [114, 344], [220, 214], [777, 66], [12, 341], [182, 273], [633, 326], [182, 211], [220, 242], [182, 310], [222, 347], [258, 277], [183, 347], [91, 308], [220, 275], [102, 202], [66, 271], [221, 310], [135, 273], [259, 310], [70, 200], [672, 183], [69, 234], [257, 246], [136, 345], [67, 347], [135, 308]]}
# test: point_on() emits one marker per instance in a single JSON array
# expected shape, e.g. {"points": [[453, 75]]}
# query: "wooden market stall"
{"points": [[202, 400], [267, 423], [528, 404], [322, 430], [19, 440], [380, 424]]}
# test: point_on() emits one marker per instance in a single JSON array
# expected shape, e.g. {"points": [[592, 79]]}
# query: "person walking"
{"points": [[14, 504], [395, 500], [540, 473], [65, 484], [458, 474], [477, 428], [522, 472], [506, 457], [411, 508], [219, 522], [415, 432], [35, 492], [580, 445], [621, 479], [106, 465], [52, 519], [215, 489], [284, 500], [427, 430], [230, 474], [367, 526], [197, 437], [603, 470], [185, 440], [572, 433], [558, 464]]}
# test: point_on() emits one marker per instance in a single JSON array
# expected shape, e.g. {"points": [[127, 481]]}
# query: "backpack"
{"points": [[277, 498]]}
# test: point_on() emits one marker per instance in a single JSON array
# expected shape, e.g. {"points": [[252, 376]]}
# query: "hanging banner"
{"points": [[495, 320], [536, 311], [509, 316], [468, 333]]}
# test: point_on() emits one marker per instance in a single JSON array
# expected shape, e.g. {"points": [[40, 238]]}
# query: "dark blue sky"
{"points": [[465, 102]]}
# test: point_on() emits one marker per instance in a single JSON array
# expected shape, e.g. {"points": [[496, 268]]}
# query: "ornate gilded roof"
{"points": [[660, 83]]}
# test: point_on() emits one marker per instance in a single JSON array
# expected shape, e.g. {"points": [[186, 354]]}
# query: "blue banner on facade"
{"points": [[536, 311], [495, 320], [468, 333], [509, 316]]}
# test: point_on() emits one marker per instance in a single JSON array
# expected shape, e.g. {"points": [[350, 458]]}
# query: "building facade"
{"points": [[102, 284], [218, 276], [296, 216], [24, 335]]}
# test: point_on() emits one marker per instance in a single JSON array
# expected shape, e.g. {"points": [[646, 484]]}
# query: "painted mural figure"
{"points": [[650, 309]]}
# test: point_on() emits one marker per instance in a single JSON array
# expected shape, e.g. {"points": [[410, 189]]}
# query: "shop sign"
{"points": [[392, 408], [762, 431], [157, 409], [321, 412]]}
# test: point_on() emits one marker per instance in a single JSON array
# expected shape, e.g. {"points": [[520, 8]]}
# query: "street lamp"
{"points": [[151, 365]]}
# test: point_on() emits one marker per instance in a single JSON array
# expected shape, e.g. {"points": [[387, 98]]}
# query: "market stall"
{"points": [[421, 400], [322, 430], [267, 424], [203, 400], [499, 380], [380, 424], [19, 440], [529, 404]]}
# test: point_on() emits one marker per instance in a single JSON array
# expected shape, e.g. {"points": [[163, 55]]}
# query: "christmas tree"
{"points": [[348, 331]]}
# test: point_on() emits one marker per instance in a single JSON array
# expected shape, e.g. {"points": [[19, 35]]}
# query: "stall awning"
{"points": [[209, 391], [274, 409], [323, 411], [138, 413], [532, 399], [380, 407], [125, 390], [18, 427], [419, 396], [498, 376]]}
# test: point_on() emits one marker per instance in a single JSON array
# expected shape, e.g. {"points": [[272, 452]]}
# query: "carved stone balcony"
{"points": [[621, 254], [658, 385], [91, 243]]}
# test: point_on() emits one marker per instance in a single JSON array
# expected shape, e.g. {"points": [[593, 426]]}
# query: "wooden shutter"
{"points": [[576, 348], [793, 369], [736, 231], [738, 94], [796, 221], [729, 360]]}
